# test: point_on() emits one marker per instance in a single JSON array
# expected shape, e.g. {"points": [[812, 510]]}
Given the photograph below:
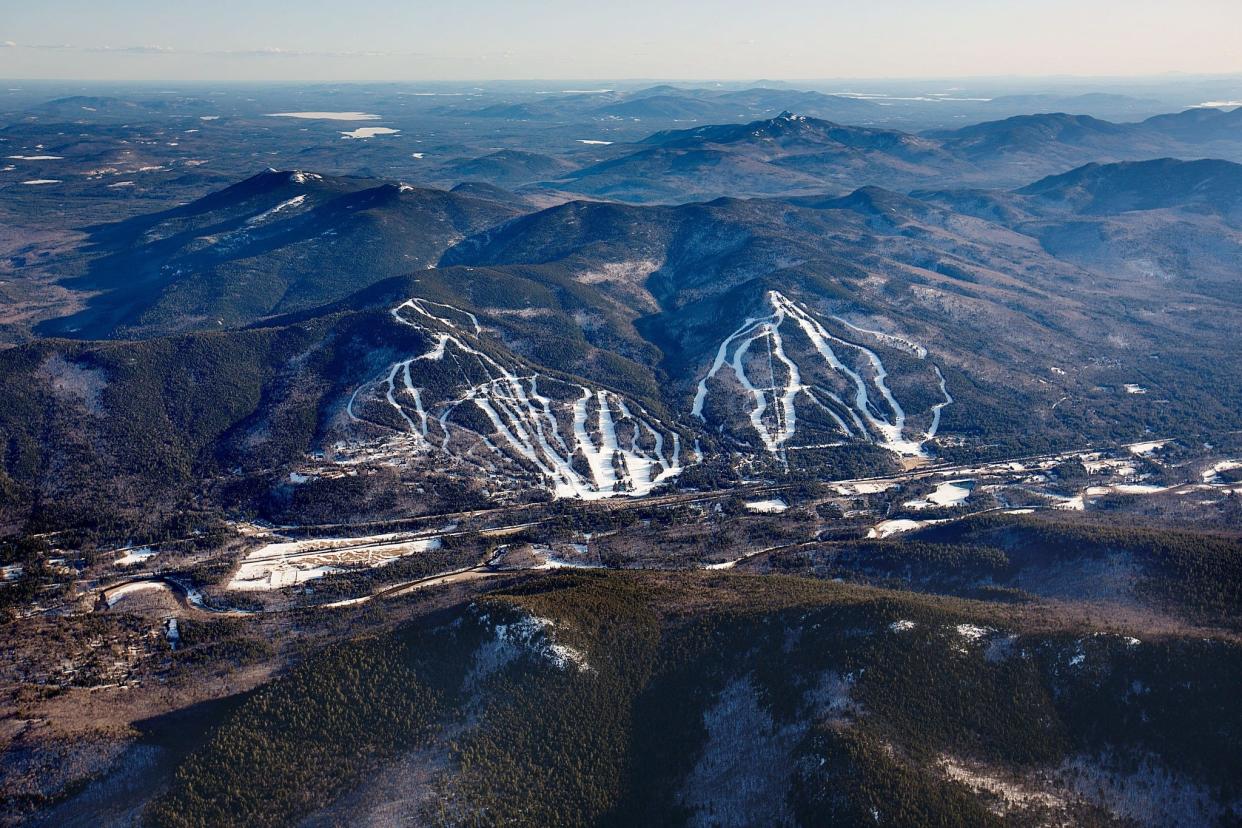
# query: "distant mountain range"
{"points": [[798, 154]]}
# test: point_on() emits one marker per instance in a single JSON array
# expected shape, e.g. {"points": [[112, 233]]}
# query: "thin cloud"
{"points": [[133, 50], [262, 52], [277, 52]]}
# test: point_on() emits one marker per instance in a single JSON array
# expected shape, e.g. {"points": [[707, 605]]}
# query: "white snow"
{"points": [[863, 488], [1146, 448], [286, 563], [284, 205], [948, 493], [535, 634], [892, 340], [903, 625], [887, 528], [135, 556], [37, 157], [1131, 388], [525, 422], [1212, 475], [1077, 503], [773, 413], [369, 132], [1138, 488], [771, 506], [42, 181], [128, 589], [552, 561], [971, 632], [320, 116]]}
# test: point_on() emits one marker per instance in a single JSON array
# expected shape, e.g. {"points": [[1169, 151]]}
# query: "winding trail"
{"points": [[874, 413], [593, 444]]}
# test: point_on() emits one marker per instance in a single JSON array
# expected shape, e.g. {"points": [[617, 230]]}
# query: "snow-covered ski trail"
{"points": [[572, 442], [874, 413]]}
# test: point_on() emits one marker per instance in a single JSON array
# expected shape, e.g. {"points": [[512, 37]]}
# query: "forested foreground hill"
{"points": [[623, 699]]}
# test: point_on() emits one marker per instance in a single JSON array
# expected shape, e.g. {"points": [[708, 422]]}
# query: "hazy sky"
{"points": [[580, 39]]}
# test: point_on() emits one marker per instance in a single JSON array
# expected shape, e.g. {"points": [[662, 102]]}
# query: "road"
{"points": [[191, 599]]}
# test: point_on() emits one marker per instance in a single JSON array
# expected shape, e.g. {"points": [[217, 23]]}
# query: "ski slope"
{"points": [[585, 442], [776, 378]]}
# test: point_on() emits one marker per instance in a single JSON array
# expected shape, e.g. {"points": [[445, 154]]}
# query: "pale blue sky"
{"points": [[685, 39]]}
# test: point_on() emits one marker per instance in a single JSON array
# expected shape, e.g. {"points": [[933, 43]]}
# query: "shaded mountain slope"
{"points": [[276, 242]]}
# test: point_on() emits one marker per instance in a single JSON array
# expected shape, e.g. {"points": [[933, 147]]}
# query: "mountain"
{"points": [[801, 155], [107, 108], [1166, 183], [785, 154], [672, 104], [1028, 134], [593, 697], [808, 336], [510, 167], [675, 106], [277, 242], [1148, 222], [1200, 125], [1029, 144]]}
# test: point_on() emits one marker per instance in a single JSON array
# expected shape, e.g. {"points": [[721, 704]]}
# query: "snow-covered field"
{"points": [[132, 557], [770, 506], [842, 379], [369, 132], [888, 528], [586, 442], [1146, 448], [287, 563], [1212, 475], [129, 589], [948, 493]]}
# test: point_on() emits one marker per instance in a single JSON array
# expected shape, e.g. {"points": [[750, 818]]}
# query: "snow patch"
{"points": [[135, 556], [284, 205], [535, 635], [948, 493], [318, 116], [369, 132], [288, 563]]}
